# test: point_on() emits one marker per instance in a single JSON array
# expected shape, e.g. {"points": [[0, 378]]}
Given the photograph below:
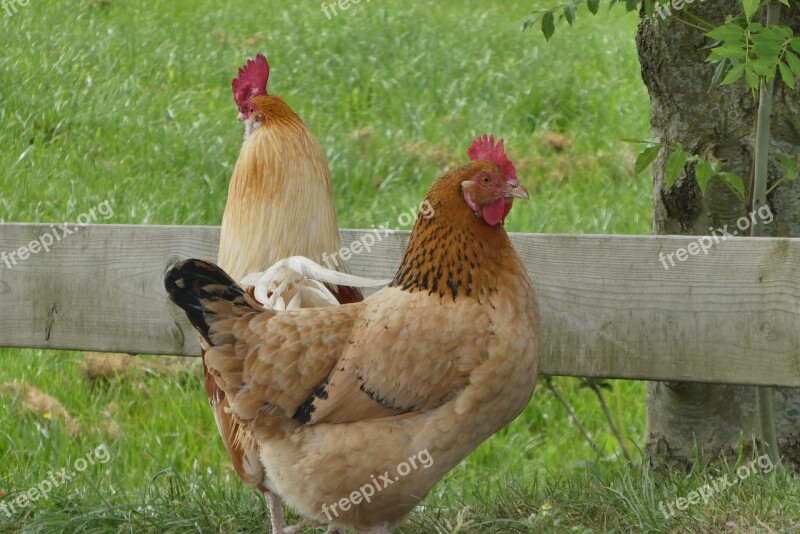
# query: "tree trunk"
{"points": [[688, 422]]}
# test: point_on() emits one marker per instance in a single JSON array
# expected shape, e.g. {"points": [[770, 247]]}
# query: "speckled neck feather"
{"points": [[453, 253]]}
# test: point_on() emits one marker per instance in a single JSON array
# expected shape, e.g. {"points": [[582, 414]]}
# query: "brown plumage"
{"points": [[280, 204], [436, 362]]}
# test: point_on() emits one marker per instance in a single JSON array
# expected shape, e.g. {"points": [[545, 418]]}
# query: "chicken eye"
{"points": [[485, 179]]}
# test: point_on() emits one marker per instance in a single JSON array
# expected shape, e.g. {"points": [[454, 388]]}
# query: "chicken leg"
{"points": [[277, 518]]}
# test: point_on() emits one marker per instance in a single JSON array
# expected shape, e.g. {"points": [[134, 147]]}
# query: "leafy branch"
{"points": [[704, 168], [565, 11], [756, 51]]}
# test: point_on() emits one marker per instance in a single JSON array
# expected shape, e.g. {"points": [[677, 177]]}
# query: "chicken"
{"points": [[280, 198], [280, 204], [363, 407]]}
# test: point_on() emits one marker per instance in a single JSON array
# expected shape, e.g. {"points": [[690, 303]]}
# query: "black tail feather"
{"points": [[190, 282]]}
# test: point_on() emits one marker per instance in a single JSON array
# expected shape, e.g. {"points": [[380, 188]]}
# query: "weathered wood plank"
{"points": [[609, 308]]}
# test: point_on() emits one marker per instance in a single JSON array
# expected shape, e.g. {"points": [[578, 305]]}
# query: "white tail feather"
{"points": [[297, 282]]}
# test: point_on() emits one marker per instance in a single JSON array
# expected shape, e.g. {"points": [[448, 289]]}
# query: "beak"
{"points": [[240, 118], [515, 190]]}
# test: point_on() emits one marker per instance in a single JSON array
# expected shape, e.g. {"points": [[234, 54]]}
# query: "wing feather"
{"points": [[376, 359], [278, 359], [399, 362]]}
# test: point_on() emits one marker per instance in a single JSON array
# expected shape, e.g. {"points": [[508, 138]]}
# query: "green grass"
{"points": [[129, 102]]}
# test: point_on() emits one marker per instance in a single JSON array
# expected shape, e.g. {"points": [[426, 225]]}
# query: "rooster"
{"points": [[342, 396], [280, 204]]}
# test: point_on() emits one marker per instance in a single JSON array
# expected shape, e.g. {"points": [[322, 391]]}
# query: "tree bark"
{"points": [[690, 422]]}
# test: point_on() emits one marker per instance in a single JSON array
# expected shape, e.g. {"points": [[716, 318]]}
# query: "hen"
{"points": [[280, 204], [364, 407]]}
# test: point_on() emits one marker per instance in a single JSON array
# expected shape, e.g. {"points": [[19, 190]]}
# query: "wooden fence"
{"points": [[609, 307]]}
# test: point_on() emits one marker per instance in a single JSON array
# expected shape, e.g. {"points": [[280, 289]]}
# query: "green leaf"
{"points": [[651, 141], [778, 33], [789, 165], [794, 62], [593, 5], [649, 8], [751, 77], [645, 158], [750, 7], [733, 75], [719, 70], [766, 50], [786, 74], [729, 50], [702, 173], [726, 32], [548, 25], [735, 181], [569, 13], [675, 165], [795, 44], [769, 44], [763, 69], [631, 5]]}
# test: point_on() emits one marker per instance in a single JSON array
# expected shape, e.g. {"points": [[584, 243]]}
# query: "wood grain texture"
{"points": [[609, 308]]}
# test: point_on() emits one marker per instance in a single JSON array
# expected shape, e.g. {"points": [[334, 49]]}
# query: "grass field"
{"points": [[129, 102]]}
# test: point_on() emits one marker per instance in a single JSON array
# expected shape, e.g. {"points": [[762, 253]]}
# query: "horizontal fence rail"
{"points": [[609, 306]]}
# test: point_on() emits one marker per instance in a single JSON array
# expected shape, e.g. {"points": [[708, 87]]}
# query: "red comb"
{"points": [[484, 149], [251, 81]]}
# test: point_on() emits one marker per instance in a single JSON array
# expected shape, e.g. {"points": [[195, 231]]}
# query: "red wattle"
{"points": [[496, 212]]}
